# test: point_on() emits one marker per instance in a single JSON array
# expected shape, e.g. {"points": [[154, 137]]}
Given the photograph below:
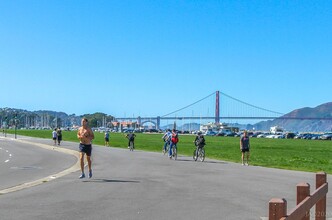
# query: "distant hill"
{"points": [[321, 111]]}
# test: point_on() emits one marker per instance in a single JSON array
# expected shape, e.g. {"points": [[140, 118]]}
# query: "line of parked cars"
{"points": [[290, 135], [287, 135]]}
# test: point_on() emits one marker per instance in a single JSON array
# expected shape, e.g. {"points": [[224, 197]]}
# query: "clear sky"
{"points": [[151, 57]]}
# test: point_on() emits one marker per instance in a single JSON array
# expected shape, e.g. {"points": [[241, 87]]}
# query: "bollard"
{"points": [[303, 191], [320, 212], [277, 208]]}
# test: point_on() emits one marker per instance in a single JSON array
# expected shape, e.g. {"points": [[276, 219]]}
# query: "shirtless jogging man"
{"points": [[85, 135]]}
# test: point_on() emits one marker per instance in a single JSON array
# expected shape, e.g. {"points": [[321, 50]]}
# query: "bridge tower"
{"points": [[217, 118]]}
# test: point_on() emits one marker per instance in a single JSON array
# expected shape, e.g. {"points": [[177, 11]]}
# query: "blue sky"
{"points": [[149, 58]]}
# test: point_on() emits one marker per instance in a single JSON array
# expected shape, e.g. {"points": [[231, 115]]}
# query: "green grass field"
{"points": [[292, 154]]}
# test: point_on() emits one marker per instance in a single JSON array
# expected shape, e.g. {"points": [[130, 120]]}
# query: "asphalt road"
{"points": [[135, 185]]}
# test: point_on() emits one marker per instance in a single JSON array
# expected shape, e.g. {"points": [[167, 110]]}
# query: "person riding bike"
{"points": [[131, 139], [167, 139], [199, 142], [174, 141]]}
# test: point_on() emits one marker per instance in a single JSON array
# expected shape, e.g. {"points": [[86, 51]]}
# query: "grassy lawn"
{"points": [[292, 154]]}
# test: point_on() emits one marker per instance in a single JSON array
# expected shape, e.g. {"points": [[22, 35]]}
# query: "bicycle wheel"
{"points": [[131, 147], [175, 153], [202, 155], [194, 155]]}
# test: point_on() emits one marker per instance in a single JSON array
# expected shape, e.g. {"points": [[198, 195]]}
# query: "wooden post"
{"points": [[321, 204], [303, 191], [277, 209]]}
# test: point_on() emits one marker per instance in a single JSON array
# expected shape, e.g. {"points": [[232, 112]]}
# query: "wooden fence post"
{"points": [[277, 209], [303, 191], [321, 204]]}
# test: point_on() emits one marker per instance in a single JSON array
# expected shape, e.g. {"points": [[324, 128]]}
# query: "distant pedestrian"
{"points": [[245, 147], [85, 135], [54, 136], [107, 138], [59, 135]]}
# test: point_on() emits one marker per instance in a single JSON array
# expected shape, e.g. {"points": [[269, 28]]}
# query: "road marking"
{"points": [[74, 168], [6, 161]]}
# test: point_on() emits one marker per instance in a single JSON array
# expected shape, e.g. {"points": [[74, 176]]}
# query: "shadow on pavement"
{"points": [[205, 161], [110, 181]]}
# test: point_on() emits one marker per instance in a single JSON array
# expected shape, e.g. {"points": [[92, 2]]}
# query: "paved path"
{"points": [[137, 185]]}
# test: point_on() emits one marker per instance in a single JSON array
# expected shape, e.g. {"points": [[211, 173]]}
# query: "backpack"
{"points": [[131, 137], [175, 139], [59, 132], [167, 138], [200, 140]]}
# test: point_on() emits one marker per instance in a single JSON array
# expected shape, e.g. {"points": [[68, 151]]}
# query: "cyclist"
{"points": [[131, 139], [174, 141], [167, 139], [199, 142]]}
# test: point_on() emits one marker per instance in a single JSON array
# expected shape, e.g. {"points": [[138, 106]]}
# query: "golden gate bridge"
{"points": [[221, 112]]}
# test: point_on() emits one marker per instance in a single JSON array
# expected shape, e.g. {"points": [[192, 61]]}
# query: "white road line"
{"points": [[6, 161], [74, 168]]}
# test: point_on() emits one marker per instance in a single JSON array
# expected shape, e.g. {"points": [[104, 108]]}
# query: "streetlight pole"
{"points": [[15, 122], [4, 124]]}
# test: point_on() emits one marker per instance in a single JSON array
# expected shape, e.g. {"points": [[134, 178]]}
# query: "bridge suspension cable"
{"points": [[188, 105], [264, 109], [231, 98]]}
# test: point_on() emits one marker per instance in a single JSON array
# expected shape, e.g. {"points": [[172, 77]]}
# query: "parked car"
{"points": [[220, 134], [290, 135], [316, 137], [263, 135], [326, 136], [232, 134], [298, 136], [210, 133]]}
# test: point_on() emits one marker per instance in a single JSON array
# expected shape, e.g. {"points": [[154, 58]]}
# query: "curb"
{"points": [[74, 168]]}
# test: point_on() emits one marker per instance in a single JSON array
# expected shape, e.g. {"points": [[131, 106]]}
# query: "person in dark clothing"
{"points": [[59, 135], [245, 147], [131, 139], [199, 142]]}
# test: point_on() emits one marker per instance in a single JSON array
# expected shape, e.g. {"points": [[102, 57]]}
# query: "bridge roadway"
{"points": [[135, 185]]}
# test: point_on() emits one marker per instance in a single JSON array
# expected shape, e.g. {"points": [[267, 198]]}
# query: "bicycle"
{"points": [[200, 154], [174, 152], [131, 145]]}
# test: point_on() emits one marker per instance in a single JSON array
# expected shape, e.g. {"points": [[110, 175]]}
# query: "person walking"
{"points": [[85, 135], [54, 136], [107, 138], [59, 135], [245, 147]]}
